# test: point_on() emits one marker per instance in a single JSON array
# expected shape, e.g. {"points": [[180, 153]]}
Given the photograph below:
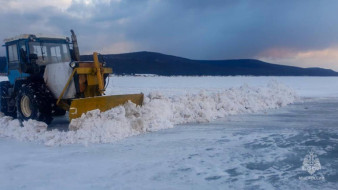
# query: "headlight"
{"points": [[72, 64]]}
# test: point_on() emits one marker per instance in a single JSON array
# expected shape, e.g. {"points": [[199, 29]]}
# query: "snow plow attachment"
{"points": [[103, 103], [89, 81]]}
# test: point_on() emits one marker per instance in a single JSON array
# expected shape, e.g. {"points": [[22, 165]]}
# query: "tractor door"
{"points": [[17, 57], [14, 70]]}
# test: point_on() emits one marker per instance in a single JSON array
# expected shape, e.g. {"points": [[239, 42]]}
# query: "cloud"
{"points": [[327, 58], [23, 6], [197, 29]]}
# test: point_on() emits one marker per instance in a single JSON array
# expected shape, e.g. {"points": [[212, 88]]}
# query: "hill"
{"points": [[167, 65]]}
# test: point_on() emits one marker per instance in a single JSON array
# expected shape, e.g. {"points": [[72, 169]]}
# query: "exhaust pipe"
{"points": [[76, 51]]}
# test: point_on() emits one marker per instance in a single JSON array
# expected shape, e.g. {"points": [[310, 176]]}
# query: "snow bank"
{"points": [[158, 112]]}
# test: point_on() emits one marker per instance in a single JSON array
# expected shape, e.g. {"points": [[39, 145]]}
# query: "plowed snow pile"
{"points": [[158, 112]]}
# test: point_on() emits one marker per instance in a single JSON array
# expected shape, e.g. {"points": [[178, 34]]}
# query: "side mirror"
{"points": [[33, 56]]}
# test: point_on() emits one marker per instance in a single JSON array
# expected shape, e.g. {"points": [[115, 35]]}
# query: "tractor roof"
{"points": [[40, 36]]}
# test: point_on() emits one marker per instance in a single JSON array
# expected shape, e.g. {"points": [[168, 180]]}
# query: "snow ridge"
{"points": [[158, 112]]}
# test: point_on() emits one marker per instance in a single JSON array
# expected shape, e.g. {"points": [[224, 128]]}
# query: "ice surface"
{"points": [[261, 150], [247, 151], [158, 112], [314, 87]]}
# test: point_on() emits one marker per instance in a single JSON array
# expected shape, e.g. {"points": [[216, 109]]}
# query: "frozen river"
{"points": [[252, 151], [262, 150]]}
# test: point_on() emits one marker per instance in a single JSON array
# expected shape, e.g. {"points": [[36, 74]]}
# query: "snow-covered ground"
{"points": [[218, 133], [161, 110], [304, 86]]}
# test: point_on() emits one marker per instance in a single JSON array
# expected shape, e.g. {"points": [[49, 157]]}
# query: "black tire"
{"points": [[4, 100], [33, 102]]}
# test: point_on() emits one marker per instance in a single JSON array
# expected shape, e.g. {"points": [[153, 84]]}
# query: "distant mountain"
{"points": [[167, 65]]}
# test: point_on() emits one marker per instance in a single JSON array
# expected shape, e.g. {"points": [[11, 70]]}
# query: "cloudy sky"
{"points": [[301, 33]]}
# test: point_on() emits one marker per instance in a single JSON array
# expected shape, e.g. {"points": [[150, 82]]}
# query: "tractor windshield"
{"points": [[48, 53]]}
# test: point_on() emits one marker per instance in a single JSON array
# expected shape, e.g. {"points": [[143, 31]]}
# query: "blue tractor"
{"points": [[46, 78]]}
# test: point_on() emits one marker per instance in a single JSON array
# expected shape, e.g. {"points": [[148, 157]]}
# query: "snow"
{"points": [[158, 112], [215, 144], [314, 87], [26, 36], [247, 151], [181, 100]]}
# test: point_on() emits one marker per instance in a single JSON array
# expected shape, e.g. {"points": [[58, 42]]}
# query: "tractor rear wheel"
{"points": [[33, 103], [4, 100]]}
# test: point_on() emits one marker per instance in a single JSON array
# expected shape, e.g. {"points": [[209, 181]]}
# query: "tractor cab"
{"points": [[28, 55]]}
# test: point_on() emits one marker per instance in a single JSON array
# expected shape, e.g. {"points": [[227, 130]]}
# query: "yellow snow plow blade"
{"points": [[103, 103]]}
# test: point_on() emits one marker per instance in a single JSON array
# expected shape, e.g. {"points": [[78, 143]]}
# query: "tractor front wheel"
{"points": [[32, 104]]}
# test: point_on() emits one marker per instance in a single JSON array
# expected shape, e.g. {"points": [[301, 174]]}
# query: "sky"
{"points": [[301, 33]]}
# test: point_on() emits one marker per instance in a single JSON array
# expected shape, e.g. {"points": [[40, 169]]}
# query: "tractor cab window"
{"points": [[13, 53], [23, 51], [48, 53]]}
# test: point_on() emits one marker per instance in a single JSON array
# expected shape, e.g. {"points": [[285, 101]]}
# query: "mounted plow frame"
{"points": [[93, 91]]}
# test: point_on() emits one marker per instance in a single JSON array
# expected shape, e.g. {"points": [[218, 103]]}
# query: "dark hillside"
{"points": [[167, 65]]}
